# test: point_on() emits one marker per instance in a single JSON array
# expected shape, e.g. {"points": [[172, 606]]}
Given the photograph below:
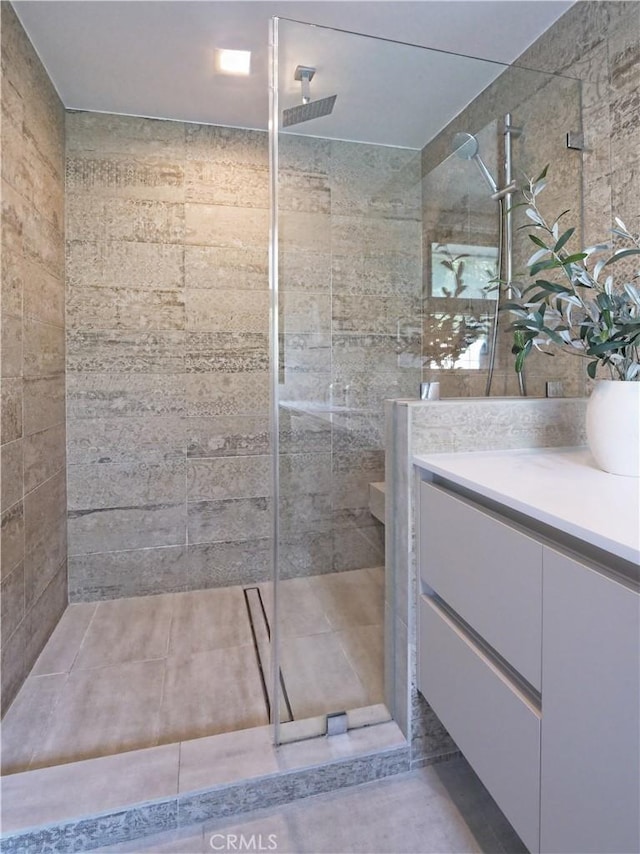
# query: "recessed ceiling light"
{"points": [[233, 61]]}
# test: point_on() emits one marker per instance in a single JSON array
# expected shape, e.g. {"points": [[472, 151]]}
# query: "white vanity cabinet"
{"points": [[529, 653], [590, 782]]}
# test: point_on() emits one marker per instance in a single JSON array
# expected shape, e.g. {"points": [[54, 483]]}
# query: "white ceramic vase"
{"points": [[613, 426]]}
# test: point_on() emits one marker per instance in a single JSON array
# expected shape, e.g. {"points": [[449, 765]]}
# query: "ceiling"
{"points": [[155, 59]]}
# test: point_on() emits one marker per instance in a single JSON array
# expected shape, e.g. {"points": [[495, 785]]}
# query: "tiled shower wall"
{"points": [[167, 350], [350, 273], [34, 570], [167, 332], [597, 43]]}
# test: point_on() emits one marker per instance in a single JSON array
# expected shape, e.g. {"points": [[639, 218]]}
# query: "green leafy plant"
{"points": [[573, 302]]}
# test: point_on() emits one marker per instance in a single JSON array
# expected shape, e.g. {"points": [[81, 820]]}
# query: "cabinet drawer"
{"points": [[487, 572], [493, 724]]}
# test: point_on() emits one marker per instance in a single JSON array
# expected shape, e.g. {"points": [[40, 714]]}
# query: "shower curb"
{"points": [[223, 801]]}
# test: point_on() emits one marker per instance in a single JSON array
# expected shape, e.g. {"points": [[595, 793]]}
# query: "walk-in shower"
{"points": [[224, 390]]}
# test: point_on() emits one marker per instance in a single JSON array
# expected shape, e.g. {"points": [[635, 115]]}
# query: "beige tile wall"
{"points": [[34, 547], [167, 349], [350, 273], [167, 317]]}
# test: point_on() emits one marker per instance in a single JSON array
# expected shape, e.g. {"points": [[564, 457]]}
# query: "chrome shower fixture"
{"points": [[467, 147], [308, 109]]}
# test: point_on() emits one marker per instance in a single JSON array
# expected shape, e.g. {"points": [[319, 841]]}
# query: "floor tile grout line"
{"points": [[84, 637], [45, 729]]}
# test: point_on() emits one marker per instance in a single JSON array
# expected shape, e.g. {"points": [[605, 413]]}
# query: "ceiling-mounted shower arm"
{"points": [[304, 74]]}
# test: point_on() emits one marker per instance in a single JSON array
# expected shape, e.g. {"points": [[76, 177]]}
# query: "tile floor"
{"points": [[443, 809], [133, 673]]}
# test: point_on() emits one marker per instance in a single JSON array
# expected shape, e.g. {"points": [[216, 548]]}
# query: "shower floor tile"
{"points": [[127, 674]]}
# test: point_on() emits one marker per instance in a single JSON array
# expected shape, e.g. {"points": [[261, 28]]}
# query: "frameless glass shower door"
{"points": [[386, 242]]}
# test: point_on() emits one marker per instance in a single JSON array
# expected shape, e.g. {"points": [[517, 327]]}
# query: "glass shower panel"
{"points": [[384, 253]]}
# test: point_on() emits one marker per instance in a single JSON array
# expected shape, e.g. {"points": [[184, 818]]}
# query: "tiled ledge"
{"points": [[85, 805]]}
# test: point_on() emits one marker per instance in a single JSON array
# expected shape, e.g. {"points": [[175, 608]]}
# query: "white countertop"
{"points": [[561, 487]]}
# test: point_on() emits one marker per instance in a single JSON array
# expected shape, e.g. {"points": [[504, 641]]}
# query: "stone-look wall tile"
{"points": [[43, 349], [373, 315], [357, 235], [44, 558], [305, 493], [312, 386], [305, 154], [127, 135], [13, 664], [90, 308], [118, 574], [127, 177], [353, 352], [43, 295], [306, 553], [153, 439], [226, 564], [358, 432], [379, 274], [118, 484], [304, 270], [227, 436], [112, 529], [113, 264], [43, 509], [12, 604], [304, 191], [113, 507], [217, 376], [307, 512], [305, 313], [353, 471], [235, 184], [357, 547], [44, 402], [374, 181], [228, 520], [11, 346], [519, 423], [98, 395], [228, 477], [11, 462], [12, 537], [141, 221], [11, 405], [12, 281], [299, 433], [44, 614], [307, 352], [124, 351], [227, 267], [227, 311], [229, 352], [224, 226], [301, 231], [226, 145], [228, 394], [85, 218], [44, 455]]}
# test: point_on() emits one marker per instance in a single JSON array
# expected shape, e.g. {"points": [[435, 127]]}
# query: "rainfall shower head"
{"points": [[467, 147], [308, 109]]}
